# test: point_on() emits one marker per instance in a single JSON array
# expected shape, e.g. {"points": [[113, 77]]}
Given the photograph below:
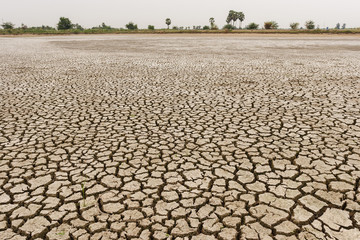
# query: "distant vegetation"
{"points": [[310, 24], [294, 26], [65, 26], [8, 25], [233, 16], [252, 26], [338, 26], [103, 26], [212, 24], [271, 25], [228, 27], [168, 22], [131, 26]]}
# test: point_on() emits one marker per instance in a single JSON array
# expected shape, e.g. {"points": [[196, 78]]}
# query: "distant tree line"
{"points": [[232, 18]]}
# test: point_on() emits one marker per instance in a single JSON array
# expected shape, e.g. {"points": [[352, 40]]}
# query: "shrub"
{"points": [[78, 27], [271, 25], [267, 25], [43, 27], [64, 24], [8, 25], [206, 27], [104, 26], [131, 26], [274, 25], [151, 27], [229, 27], [252, 26], [294, 26], [310, 24], [175, 28]]}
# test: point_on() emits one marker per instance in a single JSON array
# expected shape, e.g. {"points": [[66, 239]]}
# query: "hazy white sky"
{"points": [[117, 13]]}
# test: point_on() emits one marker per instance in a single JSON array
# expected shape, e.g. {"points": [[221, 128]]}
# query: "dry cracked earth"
{"points": [[180, 137]]}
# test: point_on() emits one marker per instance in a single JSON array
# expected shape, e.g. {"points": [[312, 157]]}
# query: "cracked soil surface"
{"points": [[180, 137]]}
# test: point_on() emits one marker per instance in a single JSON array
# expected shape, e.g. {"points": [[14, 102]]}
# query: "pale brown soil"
{"points": [[180, 137]]}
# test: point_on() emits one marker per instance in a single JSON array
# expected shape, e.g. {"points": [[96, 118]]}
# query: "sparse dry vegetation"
{"points": [[40, 31]]}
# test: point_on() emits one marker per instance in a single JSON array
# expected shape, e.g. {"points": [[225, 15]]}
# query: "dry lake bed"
{"points": [[180, 137]]}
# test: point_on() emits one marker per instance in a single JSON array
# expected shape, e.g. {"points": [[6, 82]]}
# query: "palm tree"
{"points": [[234, 17], [228, 19], [212, 21], [168, 22], [230, 16], [241, 17]]}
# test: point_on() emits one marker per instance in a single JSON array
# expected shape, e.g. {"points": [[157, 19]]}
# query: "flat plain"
{"points": [[180, 137]]}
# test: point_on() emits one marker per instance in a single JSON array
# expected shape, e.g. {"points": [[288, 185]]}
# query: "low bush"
{"points": [[229, 27], [310, 24], [131, 26], [271, 25], [252, 26], [294, 26]]}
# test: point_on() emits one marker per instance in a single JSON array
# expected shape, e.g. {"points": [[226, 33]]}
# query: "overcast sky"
{"points": [[116, 13]]}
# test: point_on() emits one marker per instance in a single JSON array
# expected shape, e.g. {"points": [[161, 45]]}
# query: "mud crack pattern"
{"points": [[180, 137]]}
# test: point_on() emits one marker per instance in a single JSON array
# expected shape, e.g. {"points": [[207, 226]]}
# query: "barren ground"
{"points": [[180, 137]]}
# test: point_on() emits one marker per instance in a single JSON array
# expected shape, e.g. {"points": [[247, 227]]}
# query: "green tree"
{"points": [[212, 22], [7, 25], [252, 26], [151, 27], [64, 24], [206, 28], [234, 17], [343, 26], [310, 24], [228, 19], [131, 26], [241, 17], [231, 17], [294, 25], [337, 26], [168, 22]]}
